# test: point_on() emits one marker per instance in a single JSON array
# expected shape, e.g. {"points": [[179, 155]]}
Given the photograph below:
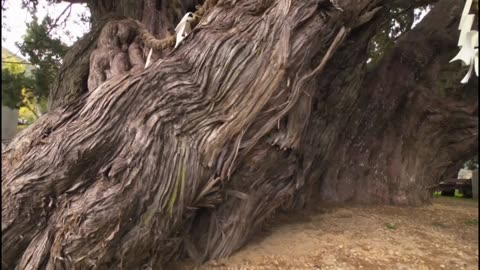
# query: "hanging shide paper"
{"points": [[468, 41]]}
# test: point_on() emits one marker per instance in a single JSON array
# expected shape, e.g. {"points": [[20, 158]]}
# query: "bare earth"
{"points": [[439, 236]]}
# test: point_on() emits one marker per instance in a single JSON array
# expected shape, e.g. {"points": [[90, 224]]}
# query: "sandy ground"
{"points": [[443, 235]]}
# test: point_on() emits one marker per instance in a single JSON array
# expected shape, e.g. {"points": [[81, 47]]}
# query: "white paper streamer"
{"points": [[183, 28], [468, 43]]}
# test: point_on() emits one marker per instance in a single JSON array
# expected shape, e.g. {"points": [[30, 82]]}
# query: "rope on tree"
{"points": [[161, 44], [120, 47]]}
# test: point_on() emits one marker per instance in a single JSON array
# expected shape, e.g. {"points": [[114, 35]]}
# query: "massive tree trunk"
{"points": [[266, 105], [158, 16]]}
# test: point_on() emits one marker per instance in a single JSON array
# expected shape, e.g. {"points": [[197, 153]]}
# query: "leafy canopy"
{"points": [[13, 80], [30, 89], [44, 52]]}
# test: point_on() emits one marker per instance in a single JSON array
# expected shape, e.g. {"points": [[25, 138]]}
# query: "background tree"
{"points": [[30, 89], [43, 51], [400, 20], [267, 105], [472, 164], [13, 81]]}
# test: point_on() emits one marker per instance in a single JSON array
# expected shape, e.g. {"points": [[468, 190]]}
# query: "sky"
{"points": [[15, 19], [421, 13]]}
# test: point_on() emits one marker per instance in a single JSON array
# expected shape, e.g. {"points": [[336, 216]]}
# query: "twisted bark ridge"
{"points": [[158, 17], [267, 104]]}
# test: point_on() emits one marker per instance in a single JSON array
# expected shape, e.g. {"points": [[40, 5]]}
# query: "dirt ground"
{"points": [[443, 235]]}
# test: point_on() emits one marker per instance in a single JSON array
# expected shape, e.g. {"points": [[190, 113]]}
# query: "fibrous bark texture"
{"points": [[158, 17], [267, 104]]}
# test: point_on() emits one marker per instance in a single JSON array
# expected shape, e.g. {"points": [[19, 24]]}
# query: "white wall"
{"points": [[9, 123]]}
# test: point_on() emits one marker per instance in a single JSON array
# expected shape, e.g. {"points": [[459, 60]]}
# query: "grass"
{"points": [[437, 194], [390, 226], [439, 224], [471, 222], [457, 195]]}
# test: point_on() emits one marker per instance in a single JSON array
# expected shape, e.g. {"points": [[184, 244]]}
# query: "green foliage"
{"points": [[399, 22], [471, 222], [45, 52], [29, 87], [439, 224], [12, 85], [12, 63], [390, 226], [27, 114], [458, 194], [14, 79], [472, 164]]}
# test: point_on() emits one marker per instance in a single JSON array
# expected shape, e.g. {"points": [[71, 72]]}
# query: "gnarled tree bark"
{"points": [[159, 18], [267, 104]]}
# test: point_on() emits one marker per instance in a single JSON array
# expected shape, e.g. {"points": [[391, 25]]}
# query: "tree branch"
{"points": [[55, 23], [30, 109]]}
